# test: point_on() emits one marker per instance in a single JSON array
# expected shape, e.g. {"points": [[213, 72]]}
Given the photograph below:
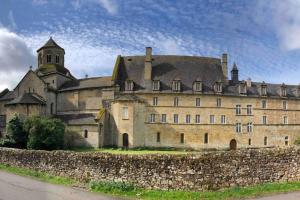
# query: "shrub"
{"points": [[111, 186], [44, 133], [4, 142], [297, 141], [16, 133]]}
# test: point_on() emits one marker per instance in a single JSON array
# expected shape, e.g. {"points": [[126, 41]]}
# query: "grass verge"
{"points": [[129, 190]]}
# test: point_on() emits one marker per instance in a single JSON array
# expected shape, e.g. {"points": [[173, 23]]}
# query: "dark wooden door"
{"points": [[233, 144], [125, 140]]}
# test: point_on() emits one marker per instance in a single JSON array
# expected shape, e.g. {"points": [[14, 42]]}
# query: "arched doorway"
{"points": [[125, 140], [233, 144]]}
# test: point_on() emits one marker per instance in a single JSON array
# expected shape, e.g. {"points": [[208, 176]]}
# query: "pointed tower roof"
{"points": [[234, 67], [50, 44]]}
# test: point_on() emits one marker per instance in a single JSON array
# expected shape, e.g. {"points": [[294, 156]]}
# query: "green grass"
{"points": [[129, 190]]}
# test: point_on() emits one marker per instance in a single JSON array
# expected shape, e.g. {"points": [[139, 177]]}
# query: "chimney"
{"points": [[148, 68], [249, 84], [234, 74], [224, 66], [86, 76]]}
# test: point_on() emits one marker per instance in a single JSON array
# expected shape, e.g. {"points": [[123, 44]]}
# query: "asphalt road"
{"points": [[13, 187]]}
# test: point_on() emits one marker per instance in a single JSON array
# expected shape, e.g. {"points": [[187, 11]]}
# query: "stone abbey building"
{"points": [[157, 101]]}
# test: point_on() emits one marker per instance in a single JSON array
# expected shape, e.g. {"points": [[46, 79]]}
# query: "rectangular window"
{"points": [[176, 118], [264, 104], [156, 85], [198, 102], [284, 105], [176, 101], [238, 127], [57, 59], [249, 127], [188, 119], [48, 58], [176, 86], [125, 113], [152, 118], [158, 137], [285, 120], [249, 142], [155, 101], [223, 119], [197, 119], [164, 118], [249, 109], [219, 102], [206, 138], [238, 109], [264, 119], [212, 119]]}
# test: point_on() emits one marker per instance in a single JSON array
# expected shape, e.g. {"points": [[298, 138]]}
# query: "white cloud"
{"points": [[110, 5], [15, 57], [12, 19], [287, 23]]}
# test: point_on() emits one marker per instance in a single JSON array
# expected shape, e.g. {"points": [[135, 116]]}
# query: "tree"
{"points": [[16, 133], [44, 133]]}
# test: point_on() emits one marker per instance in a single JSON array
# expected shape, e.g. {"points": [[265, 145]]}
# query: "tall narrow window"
{"points": [[223, 119], [176, 86], [176, 101], [129, 85], [198, 102], [164, 118], [197, 119], [264, 104], [284, 105], [265, 141], [238, 109], [182, 138], [125, 113], [48, 57], [206, 138], [212, 119], [156, 85], [219, 102], [250, 127], [238, 127], [57, 59], [154, 101], [152, 118], [264, 119], [86, 133], [197, 86], [285, 120], [249, 109], [158, 137], [51, 109], [188, 119], [249, 142], [176, 118]]}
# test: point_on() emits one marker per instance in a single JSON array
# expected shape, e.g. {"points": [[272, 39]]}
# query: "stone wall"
{"points": [[193, 172]]}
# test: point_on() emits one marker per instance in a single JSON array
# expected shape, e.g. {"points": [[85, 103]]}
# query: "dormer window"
{"points": [[57, 59], [156, 85], [263, 89], [218, 87], [197, 87], [129, 85], [283, 92], [243, 88], [176, 85], [48, 58]]}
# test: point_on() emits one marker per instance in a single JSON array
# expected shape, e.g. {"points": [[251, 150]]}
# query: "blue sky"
{"points": [[261, 36]]}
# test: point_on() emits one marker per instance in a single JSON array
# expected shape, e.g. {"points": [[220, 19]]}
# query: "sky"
{"points": [[261, 36]]}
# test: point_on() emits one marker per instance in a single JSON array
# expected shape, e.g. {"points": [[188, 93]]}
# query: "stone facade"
{"points": [[198, 172], [158, 101]]}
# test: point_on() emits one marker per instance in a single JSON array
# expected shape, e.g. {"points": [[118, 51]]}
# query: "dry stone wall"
{"points": [[211, 171]]}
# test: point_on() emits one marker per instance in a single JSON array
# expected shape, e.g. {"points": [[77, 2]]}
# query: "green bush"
{"points": [[5, 142], [16, 133], [44, 133], [111, 186], [297, 141]]}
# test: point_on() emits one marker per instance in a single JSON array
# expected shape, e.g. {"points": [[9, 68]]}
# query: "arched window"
{"points": [[86, 133], [265, 141], [182, 138], [206, 138]]}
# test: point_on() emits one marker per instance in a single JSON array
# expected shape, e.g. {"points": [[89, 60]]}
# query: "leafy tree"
{"points": [[16, 133], [44, 133]]}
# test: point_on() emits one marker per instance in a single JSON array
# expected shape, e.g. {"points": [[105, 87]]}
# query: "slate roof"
{"points": [[168, 68], [98, 82], [77, 119], [27, 98], [2, 120], [189, 69], [46, 69], [50, 44], [7, 95]]}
